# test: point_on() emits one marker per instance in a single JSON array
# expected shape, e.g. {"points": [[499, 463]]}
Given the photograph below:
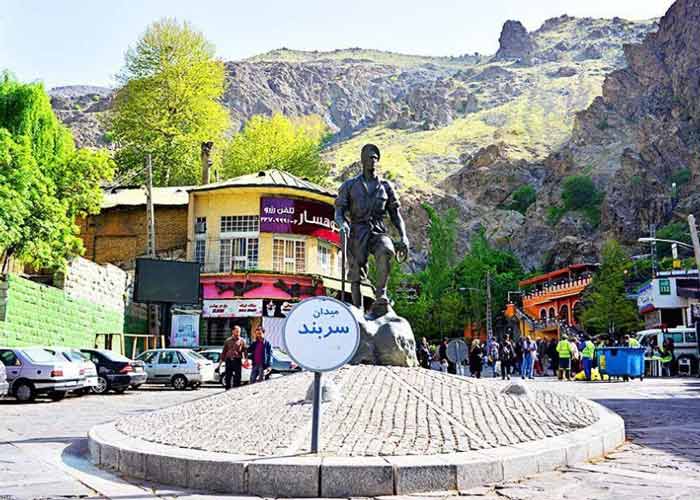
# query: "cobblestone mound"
{"points": [[381, 411]]}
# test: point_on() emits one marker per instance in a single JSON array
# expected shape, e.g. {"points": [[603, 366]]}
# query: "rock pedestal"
{"points": [[387, 340]]}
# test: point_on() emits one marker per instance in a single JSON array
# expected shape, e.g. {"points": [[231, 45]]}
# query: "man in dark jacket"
{"points": [[261, 353]]}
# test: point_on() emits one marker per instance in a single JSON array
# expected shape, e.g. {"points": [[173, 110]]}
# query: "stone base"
{"points": [[386, 339]]}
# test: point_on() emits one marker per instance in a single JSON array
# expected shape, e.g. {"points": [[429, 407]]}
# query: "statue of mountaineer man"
{"points": [[364, 201]]}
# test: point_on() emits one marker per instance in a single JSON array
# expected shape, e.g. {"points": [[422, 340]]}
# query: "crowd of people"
{"points": [[527, 357]]}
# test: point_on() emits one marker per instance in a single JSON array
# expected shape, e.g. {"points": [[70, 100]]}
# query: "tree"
{"points": [[168, 104], [606, 306], [44, 181], [442, 234], [523, 197], [281, 143]]}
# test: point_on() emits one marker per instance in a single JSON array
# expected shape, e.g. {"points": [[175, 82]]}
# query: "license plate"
{"points": [[138, 369]]}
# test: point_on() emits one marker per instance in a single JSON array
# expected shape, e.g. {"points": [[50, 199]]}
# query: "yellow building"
{"points": [[264, 242]]}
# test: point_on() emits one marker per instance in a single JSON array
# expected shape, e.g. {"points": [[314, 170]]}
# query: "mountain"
{"points": [[463, 132]]}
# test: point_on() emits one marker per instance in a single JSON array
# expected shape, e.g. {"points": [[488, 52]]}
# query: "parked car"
{"points": [[32, 371], [282, 363], [87, 367], [214, 355], [114, 371], [685, 342], [4, 385], [181, 368]]}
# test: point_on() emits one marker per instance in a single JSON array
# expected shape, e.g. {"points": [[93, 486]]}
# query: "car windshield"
{"points": [[37, 355], [113, 356], [74, 356]]}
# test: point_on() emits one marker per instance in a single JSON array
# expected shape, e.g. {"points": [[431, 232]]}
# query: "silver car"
{"points": [[4, 386], [180, 368], [87, 367], [33, 370]]}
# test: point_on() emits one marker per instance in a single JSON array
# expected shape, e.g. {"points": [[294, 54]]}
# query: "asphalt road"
{"points": [[43, 445]]}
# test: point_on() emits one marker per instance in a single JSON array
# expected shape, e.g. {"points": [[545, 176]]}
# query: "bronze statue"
{"points": [[364, 201]]}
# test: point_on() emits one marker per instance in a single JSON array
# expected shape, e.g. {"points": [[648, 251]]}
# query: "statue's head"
{"points": [[369, 157]]}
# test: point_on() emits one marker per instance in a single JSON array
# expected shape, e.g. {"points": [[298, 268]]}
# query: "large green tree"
{"points": [[292, 145], [45, 182], [606, 306], [168, 104]]}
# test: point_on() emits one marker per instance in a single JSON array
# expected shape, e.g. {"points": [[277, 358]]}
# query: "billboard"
{"points": [[288, 215], [237, 308], [184, 330], [167, 281]]}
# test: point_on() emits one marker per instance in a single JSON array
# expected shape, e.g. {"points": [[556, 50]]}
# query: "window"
{"points": [[37, 355], [169, 358], [288, 255], [148, 356], [200, 226], [200, 249], [238, 253], [9, 358], [690, 336], [240, 224], [324, 259]]}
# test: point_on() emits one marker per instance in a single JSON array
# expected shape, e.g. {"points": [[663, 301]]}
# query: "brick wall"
{"points": [[35, 314], [118, 235]]}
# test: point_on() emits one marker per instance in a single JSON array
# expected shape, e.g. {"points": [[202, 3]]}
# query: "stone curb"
{"points": [[343, 477]]}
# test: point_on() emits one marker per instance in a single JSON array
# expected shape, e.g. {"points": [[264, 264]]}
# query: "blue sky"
{"points": [[63, 42]]}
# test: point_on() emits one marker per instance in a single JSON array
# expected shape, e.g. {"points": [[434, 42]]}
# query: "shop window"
{"points": [[200, 247], [240, 224], [238, 254], [325, 257], [289, 255]]}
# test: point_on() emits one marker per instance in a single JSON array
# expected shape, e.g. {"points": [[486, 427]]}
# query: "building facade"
{"points": [[264, 242], [550, 302], [667, 300]]}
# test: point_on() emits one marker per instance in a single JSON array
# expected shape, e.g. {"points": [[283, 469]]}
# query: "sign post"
{"points": [[457, 353], [320, 334]]}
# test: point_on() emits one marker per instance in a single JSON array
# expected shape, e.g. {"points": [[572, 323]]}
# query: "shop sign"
{"points": [[664, 287], [277, 308], [287, 215], [321, 334], [237, 308]]}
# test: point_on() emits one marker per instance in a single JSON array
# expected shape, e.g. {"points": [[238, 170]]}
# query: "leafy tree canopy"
{"points": [[523, 197], [292, 145], [606, 306], [45, 182], [168, 104]]}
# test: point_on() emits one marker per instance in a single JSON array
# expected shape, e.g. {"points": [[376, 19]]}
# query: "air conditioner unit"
{"points": [[200, 227]]}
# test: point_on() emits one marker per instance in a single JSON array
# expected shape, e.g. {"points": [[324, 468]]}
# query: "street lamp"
{"points": [[660, 240]]}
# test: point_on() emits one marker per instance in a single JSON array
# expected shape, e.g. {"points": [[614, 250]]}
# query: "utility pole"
{"points": [[152, 309], [696, 250], [489, 319]]}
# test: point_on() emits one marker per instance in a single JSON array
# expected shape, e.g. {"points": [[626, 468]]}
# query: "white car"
{"points": [[180, 368], [214, 355], [86, 366]]}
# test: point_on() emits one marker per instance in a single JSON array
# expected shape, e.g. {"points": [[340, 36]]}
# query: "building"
{"points": [[550, 302], [117, 235], [667, 300], [264, 242]]}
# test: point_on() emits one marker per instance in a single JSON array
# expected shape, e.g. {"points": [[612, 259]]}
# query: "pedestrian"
{"points": [[506, 355], [529, 353], [553, 356], [476, 354], [261, 353], [575, 355], [631, 341], [518, 360], [233, 355], [493, 351], [564, 354], [666, 354], [423, 353], [587, 356], [542, 357]]}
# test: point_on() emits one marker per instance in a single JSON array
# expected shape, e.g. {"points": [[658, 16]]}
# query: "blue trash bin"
{"points": [[621, 361]]}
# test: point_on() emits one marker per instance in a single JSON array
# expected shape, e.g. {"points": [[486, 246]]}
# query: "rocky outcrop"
{"points": [[514, 43], [387, 340]]}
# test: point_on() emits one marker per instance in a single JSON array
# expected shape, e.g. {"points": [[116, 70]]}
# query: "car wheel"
{"points": [[24, 392], [179, 383], [222, 380], [136, 387], [56, 395], [101, 387]]}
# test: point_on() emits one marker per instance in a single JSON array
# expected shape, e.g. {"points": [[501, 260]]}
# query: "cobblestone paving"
{"points": [[380, 411]]}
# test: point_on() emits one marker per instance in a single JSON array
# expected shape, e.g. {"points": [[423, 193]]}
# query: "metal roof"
{"points": [[267, 178], [135, 196]]}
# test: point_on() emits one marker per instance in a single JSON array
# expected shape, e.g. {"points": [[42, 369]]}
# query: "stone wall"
{"points": [[36, 314]]}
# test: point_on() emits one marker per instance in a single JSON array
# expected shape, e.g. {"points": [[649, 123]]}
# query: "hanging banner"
{"points": [[287, 215], [184, 331], [237, 308]]}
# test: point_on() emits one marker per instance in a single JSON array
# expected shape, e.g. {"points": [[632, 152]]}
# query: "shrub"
{"points": [[681, 177], [579, 192], [523, 197]]}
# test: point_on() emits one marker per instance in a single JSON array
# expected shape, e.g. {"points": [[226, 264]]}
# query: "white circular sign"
{"points": [[321, 334], [457, 351]]}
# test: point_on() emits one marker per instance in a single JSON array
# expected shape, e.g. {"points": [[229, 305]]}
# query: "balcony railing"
{"points": [[550, 292]]}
